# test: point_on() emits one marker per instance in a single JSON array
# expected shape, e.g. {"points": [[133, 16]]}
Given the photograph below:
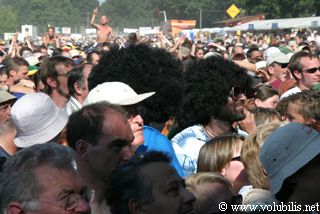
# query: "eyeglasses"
{"points": [[63, 75], [312, 70], [238, 158], [71, 201], [133, 110]]}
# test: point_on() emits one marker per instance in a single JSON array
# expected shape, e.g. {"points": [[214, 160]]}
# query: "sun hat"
{"points": [[37, 119], [6, 97], [116, 93], [286, 150]]}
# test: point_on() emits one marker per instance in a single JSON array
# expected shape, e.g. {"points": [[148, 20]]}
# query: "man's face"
{"points": [[112, 148], [62, 79], [61, 192], [84, 89], [104, 20], [4, 113], [136, 123], [307, 78], [169, 194], [22, 73], [256, 56], [293, 115], [234, 109], [278, 72]]}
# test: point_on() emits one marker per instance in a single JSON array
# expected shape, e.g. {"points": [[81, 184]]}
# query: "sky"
{"points": [[101, 1]]}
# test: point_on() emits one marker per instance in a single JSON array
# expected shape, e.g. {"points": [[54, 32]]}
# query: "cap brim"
{"points": [[134, 100], [46, 134]]}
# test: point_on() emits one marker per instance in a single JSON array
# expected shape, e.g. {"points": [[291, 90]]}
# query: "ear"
{"points": [[257, 102], [82, 149], [77, 88], [12, 72], [270, 70], [51, 82], [297, 74], [223, 171], [14, 208], [135, 207]]}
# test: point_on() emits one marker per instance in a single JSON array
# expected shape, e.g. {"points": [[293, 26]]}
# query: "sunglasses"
{"points": [[311, 70], [238, 158]]}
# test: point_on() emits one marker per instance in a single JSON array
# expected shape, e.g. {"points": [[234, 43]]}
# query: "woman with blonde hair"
{"points": [[250, 155], [222, 154]]}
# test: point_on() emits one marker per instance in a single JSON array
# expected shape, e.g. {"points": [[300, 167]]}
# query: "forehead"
{"points": [[115, 125], [160, 174], [307, 62], [53, 181]]}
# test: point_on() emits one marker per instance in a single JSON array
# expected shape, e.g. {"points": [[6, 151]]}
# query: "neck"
{"points": [[6, 140], [79, 99], [217, 127], [59, 100], [100, 187], [302, 86]]}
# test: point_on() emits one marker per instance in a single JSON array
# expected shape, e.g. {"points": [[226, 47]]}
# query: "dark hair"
{"points": [[48, 69], [207, 85], [295, 64], [90, 56], [251, 50], [128, 182], [145, 69], [87, 123], [75, 76]]}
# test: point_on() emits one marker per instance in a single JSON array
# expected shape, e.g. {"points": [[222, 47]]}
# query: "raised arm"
{"points": [[93, 18]]}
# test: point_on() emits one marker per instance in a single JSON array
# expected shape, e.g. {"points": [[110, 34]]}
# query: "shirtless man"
{"points": [[104, 32]]}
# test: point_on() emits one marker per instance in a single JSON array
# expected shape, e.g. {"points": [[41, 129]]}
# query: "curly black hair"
{"points": [[207, 85], [144, 69]]}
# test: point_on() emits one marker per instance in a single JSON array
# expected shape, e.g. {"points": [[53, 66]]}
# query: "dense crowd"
{"points": [[159, 124]]}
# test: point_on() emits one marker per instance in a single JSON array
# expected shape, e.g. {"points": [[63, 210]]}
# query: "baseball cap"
{"points": [[116, 93], [286, 150], [278, 57], [37, 119], [6, 97]]}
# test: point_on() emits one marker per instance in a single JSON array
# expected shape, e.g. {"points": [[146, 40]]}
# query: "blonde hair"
{"points": [[194, 181], [250, 155], [217, 153]]}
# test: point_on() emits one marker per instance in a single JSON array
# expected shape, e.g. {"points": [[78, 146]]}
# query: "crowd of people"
{"points": [[159, 124]]}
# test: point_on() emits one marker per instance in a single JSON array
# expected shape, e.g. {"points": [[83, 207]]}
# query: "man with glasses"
{"points": [[42, 179], [305, 68], [277, 68], [54, 76]]}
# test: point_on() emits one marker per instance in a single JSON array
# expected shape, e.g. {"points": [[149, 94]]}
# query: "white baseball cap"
{"points": [[116, 93]]}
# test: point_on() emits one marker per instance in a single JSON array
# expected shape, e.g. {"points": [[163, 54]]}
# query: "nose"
{"points": [[188, 197], [83, 207], [126, 153], [137, 119]]}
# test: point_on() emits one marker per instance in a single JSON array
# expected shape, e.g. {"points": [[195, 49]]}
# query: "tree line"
{"points": [[135, 13]]}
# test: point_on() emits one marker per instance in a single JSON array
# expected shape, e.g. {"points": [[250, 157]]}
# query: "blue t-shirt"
{"points": [[155, 141]]}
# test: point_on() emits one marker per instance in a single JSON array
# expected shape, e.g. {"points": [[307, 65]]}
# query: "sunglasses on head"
{"points": [[312, 70]]}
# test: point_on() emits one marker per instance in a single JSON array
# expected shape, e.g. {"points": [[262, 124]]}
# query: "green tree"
{"points": [[9, 20]]}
